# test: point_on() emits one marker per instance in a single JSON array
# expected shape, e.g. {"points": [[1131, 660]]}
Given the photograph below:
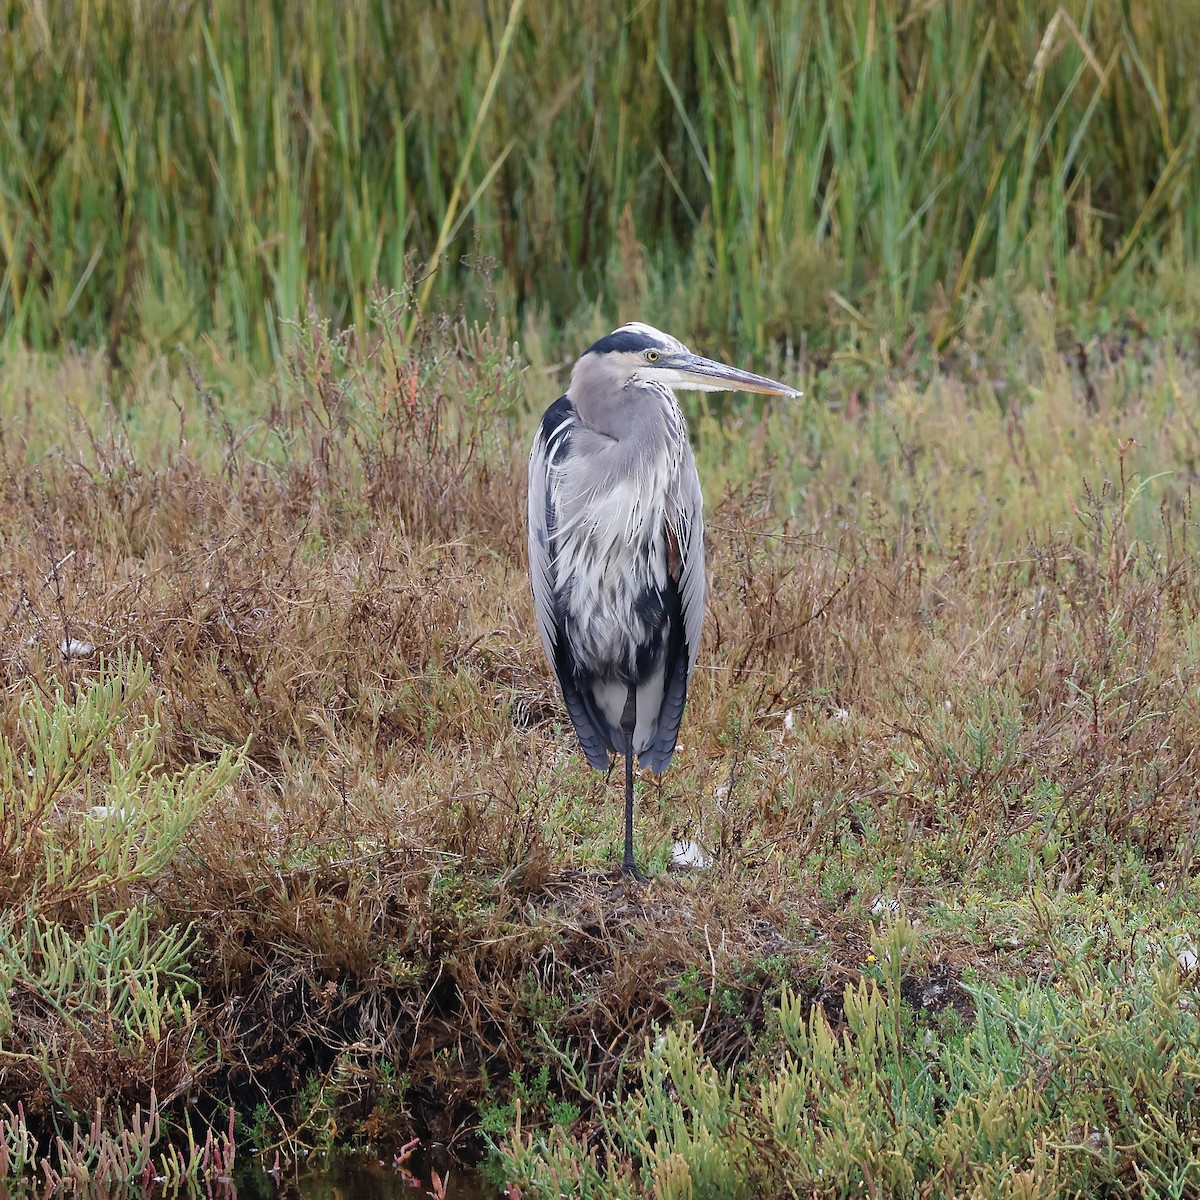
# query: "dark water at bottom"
{"points": [[361, 1179]]}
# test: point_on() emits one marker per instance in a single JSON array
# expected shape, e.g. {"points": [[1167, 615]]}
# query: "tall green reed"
{"points": [[173, 170]]}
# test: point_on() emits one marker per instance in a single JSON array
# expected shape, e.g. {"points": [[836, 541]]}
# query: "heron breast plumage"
{"points": [[611, 557]]}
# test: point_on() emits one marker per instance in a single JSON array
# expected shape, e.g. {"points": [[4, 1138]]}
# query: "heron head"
{"points": [[640, 353]]}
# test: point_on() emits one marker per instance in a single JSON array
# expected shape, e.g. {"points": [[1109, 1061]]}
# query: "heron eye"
{"points": [[652, 356]]}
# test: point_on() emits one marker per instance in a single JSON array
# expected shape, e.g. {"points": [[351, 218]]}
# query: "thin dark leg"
{"points": [[628, 722]]}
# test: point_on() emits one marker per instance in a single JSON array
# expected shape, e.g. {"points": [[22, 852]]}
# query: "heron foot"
{"points": [[629, 871], [614, 875]]}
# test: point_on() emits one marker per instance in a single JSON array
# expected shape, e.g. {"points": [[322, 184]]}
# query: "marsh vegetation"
{"points": [[292, 819]]}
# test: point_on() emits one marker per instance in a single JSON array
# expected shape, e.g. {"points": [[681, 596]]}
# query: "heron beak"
{"points": [[690, 371]]}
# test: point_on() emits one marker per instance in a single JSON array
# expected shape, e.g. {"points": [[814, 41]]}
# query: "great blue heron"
{"points": [[616, 544]]}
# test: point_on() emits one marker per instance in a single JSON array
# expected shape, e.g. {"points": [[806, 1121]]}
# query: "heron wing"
{"points": [[693, 584], [549, 441], [550, 446], [685, 568]]}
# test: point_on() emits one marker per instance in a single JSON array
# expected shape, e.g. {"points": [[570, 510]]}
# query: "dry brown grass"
{"points": [[933, 699]]}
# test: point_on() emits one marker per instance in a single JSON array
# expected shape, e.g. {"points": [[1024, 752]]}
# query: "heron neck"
{"points": [[640, 417]]}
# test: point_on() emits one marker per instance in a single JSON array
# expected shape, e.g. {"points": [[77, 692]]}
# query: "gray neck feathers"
{"points": [[641, 418]]}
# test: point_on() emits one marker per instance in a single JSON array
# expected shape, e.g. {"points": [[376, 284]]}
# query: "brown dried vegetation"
{"points": [[917, 684]]}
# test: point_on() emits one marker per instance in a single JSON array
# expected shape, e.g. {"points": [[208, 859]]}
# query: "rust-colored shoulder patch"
{"points": [[674, 557]]}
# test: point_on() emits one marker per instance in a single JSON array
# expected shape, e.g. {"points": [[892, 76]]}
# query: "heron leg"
{"points": [[628, 723]]}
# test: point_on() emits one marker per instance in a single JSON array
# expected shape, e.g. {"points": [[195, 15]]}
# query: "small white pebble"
{"points": [[101, 812]]}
